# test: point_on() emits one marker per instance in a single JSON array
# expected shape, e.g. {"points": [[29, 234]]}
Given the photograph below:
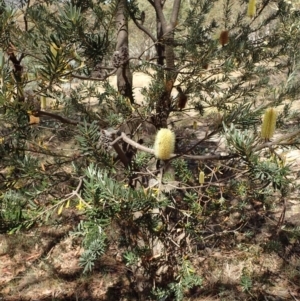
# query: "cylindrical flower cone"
{"points": [[269, 124], [164, 144], [43, 102], [201, 177], [251, 8]]}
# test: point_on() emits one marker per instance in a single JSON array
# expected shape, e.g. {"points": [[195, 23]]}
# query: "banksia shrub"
{"points": [[164, 144], [251, 8], [269, 124]]}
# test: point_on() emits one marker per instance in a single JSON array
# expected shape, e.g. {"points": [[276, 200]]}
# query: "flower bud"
{"points": [[43, 102], [251, 8], [269, 124], [201, 177]]}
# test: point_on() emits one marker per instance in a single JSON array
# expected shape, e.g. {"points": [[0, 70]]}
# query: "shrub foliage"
{"points": [[213, 72]]}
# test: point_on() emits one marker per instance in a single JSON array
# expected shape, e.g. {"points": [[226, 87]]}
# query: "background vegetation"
{"points": [[77, 136]]}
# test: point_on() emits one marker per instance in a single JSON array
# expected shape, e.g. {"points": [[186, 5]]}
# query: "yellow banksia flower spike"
{"points": [[269, 124], [43, 102], [251, 8], [201, 177], [164, 144]]}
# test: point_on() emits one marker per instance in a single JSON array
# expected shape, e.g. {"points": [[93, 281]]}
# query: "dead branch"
{"points": [[57, 117]]}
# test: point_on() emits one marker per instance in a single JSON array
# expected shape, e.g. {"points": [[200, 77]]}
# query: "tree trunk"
{"points": [[124, 76], [165, 53], [160, 47]]}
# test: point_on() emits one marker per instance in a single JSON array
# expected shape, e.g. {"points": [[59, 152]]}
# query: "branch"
{"points": [[95, 78], [135, 144], [142, 27], [122, 156], [152, 3], [175, 12], [25, 16], [74, 193], [151, 151], [196, 144], [283, 140], [160, 14], [57, 117], [46, 152], [138, 146], [141, 54], [17, 63]]}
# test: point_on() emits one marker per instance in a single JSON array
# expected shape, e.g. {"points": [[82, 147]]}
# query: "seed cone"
{"points": [[269, 124], [251, 8], [164, 144], [205, 66], [182, 98], [224, 37]]}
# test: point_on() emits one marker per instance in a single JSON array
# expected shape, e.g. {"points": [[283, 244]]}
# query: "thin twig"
{"points": [[292, 296], [282, 140], [224, 232], [173, 156], [74, 193], [57, 117], [95, 78]]}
